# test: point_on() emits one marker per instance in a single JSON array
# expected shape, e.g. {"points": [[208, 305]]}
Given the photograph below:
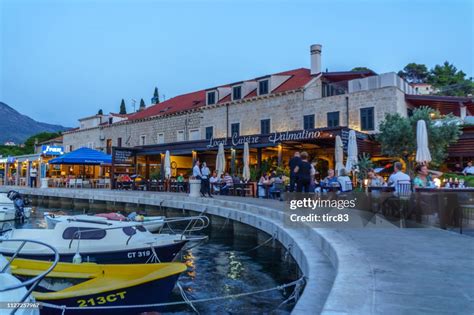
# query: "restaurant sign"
{"points": [[123, 156], [52, 150], [275, 138]]}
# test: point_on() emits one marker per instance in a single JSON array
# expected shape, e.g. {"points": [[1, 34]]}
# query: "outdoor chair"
{"points": [[79, 183], [399, 205], [277, 190], [101, 183], [71, 183], [107, 183]]}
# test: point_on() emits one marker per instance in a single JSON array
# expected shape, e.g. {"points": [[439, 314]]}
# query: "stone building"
{"points": [[289, 101]]}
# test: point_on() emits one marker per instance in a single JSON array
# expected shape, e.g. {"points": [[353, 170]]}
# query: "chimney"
{"points": [[316, 58]]}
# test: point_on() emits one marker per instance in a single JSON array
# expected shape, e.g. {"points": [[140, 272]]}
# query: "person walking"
{"points": [[294, 162], [303, 173], [205, 172], [33, 176]]}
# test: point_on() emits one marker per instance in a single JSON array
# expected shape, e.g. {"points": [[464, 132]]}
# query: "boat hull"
{"points": [[150, 293], [165, 253]]}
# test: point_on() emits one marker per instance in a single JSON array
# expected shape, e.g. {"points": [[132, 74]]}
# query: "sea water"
{"points": [[225, 265]]}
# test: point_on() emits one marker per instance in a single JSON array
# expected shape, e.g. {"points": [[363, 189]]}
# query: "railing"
{"points": [[33, 282], [194, 224]]}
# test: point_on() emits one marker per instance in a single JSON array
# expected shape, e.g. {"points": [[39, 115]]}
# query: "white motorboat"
{"points": [[98, 240], [14, 293], [151, 223]]}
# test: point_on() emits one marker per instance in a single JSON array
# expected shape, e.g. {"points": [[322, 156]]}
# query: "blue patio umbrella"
{"points": [[83, 156]]}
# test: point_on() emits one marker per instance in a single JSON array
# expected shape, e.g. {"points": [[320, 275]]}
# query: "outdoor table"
{"points": [[446, 190], [266, 187], [156, 185], [242, 187], [94, 182], [381, 188], [217, 184], [140, 185]]}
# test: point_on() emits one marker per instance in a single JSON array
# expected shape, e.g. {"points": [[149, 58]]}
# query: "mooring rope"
{"points": [[297, 283], [154, 257], [260, 245], [225, 223], [185, 298]]}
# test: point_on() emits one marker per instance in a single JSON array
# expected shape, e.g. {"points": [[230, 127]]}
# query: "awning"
{"points": [[29, 157], [83, 156]]}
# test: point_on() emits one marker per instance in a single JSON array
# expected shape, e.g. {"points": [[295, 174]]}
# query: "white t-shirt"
{"points": [[33, 172], [205, 172], [398, 176], [197, 171], [469, 170], [345, 182]]}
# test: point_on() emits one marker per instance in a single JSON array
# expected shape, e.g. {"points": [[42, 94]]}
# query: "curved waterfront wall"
{"points": [[326, 290]]}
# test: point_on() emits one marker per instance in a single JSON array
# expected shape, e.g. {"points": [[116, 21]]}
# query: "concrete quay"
{"points": [[348, 271]]}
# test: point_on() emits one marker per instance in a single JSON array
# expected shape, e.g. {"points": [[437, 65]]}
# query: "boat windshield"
{"points": [[83, 233], [132, 230]]}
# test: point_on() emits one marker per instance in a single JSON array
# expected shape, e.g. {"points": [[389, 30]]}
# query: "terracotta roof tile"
{"points": [[298, 79]]}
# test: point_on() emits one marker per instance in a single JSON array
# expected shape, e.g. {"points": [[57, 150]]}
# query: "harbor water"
{"points": [[229, 263]]}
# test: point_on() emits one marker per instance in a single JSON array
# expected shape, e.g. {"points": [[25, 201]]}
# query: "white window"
{"points": [[160, 138], [90, 145], [142, 139], [180, 135], [194, 134]]}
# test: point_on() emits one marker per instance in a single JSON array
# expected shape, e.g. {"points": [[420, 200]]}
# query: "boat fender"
{"points": [[77, 259]]}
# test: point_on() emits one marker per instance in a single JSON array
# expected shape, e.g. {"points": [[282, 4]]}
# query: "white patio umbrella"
{"points": [[338, 155], [220, 161], [351, 151], [423, 154], [167, 165], [246, 171]]}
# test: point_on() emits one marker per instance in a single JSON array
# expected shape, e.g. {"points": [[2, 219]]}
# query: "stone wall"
{"points": [[131, 132], [285, 112]]}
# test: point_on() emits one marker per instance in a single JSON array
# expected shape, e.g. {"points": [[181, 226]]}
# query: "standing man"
{"points": [[33, 175], [197, 174], [205, 180], [303, 170], [294, 162]]}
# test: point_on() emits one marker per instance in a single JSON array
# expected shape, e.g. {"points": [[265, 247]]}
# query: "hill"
{"points": [[17, 127]]}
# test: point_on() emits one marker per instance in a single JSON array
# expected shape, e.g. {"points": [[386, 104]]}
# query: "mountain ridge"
{"points": [[18, 127]]}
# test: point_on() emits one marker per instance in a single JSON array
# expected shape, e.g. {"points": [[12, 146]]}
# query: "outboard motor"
{"points": [[19, 204]]}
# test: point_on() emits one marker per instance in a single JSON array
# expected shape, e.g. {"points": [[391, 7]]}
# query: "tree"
{"points": [[398, 135], [123, 108], [100, 112], [449, 81], [361, 69], [37, 138], [142, 105], [414, 73], [156, 97]]}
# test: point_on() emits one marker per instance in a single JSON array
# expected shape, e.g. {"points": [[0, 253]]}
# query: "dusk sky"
{"points": [[62, 60]]}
